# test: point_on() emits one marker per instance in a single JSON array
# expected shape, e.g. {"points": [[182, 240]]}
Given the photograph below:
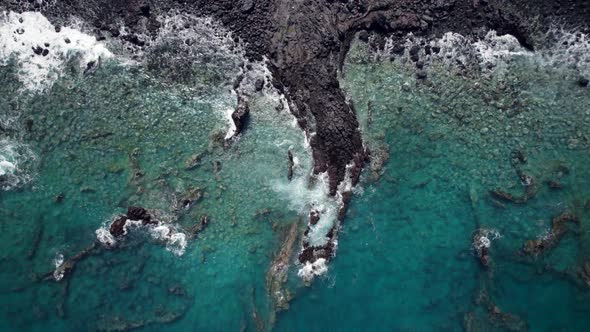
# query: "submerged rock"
{"points": [[193, 162], [482, 242], [530, 190], [199, 227], [276, 276], [559, 228]]}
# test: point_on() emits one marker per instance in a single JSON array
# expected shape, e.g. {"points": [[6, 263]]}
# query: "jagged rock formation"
{"points": [[305, 42]]}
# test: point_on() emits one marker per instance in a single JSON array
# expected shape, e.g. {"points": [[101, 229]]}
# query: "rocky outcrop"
{"points": [[306, 42], [530, 190], [239, 117], [117, 228], [559, 228]]}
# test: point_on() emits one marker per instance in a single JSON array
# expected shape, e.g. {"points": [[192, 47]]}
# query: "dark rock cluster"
{"points": [[306, 42], [117, 228]]}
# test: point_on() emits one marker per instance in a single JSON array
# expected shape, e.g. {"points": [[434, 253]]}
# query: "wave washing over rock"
{"points": [[493, 52], [43, 49], [16, 163]]}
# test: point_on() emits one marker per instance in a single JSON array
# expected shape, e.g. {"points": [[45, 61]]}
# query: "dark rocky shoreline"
{"points": [[305, 43]]}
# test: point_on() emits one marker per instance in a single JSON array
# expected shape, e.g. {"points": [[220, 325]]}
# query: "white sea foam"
{"points": [[20, 33], [492, 53], [105, 237], [304, 196], [494, 49], [58, 273], [566, 48], [484, 238], [174, 240], [311, 270], [13, 158]]}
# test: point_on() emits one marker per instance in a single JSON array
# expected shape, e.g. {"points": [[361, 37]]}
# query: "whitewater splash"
{"points": [[311, 270], [175, 240], [58, 274], [492, 53], [14, 159], [484, 238], [42, 50]]}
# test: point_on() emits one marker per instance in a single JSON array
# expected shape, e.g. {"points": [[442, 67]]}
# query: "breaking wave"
{"points": [[493, 52], [174, 240], [15, 161], [42, 50]]}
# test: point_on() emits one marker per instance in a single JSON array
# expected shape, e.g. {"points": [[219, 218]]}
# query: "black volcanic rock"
{"points": [[306, 44], [240, 116]]}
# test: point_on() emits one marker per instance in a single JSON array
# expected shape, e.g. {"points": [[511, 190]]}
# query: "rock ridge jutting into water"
{"points": [[294, 57]]}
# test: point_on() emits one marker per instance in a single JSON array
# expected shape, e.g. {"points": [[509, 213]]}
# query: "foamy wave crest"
{"points": [[495, 50], [41, 51], [185, 49], [489, 53], [14, 159]]}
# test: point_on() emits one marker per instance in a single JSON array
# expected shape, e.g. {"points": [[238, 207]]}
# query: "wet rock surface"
{"points": [[117, 228], [306, 43]]}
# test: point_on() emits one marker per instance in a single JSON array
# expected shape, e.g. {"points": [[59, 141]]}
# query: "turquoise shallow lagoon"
{"points": [[92, 144]]}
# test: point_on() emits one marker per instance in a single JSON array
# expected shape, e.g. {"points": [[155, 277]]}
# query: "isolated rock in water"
{"points": [[138, 213], [193, 162], [117, 228], [559, 228], [240, 116], [314, 217], [259, 84], [197, 228], [583, 82], [482, 241], [291, 164]]}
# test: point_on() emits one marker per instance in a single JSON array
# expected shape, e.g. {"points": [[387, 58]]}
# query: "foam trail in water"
{"points": [[41, 51]]}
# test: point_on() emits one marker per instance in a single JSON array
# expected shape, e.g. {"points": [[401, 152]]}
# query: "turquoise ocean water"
{"points": [[86, 146]]}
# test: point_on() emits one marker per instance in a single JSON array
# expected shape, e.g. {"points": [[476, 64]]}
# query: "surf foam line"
{"points": [[41, 50], [492, 53], [183, 48]]}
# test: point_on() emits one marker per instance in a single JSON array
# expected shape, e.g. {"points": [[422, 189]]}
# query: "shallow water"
{"points": [[405, 260], [84, 147]]}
